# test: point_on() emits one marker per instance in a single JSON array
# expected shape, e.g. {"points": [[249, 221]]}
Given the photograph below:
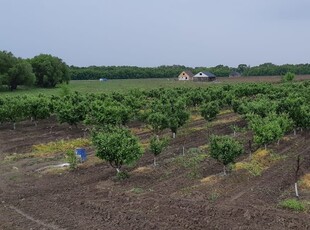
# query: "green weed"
{"points": [[293, 204]]}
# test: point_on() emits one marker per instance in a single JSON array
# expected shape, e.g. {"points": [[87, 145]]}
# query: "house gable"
{"points": [[186, 76], [204, 76]]}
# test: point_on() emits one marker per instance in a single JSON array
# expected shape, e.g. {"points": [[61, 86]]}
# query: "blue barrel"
{"points": [[82, 153]]}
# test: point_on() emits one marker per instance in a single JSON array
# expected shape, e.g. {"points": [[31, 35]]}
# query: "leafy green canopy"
{"points": [[15, 71], [117, 146], [225, 149], [49, 70]]}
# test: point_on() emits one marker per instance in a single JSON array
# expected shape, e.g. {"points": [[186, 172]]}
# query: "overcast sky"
{"points": [[158, 32]]}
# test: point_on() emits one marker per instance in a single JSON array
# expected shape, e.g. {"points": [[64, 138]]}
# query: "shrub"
{"points": [[288, 77], [157, 146], [72, 159], [293, 204]]}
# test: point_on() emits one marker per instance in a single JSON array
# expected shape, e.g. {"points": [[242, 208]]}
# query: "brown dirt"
{"points": [[165, 197]]}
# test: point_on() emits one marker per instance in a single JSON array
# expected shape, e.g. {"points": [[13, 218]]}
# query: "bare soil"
{"points": [[165, 197]]}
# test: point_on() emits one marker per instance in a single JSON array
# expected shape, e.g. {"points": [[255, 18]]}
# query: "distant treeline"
{"points": [[130, 72]]}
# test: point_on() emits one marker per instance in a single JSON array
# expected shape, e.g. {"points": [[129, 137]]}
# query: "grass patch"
{"points": [[293, 204], [143, 170], [51, 148], [191, 161], [145, 145], [137, 190], [305, 182], [203, 148], [213, 196], [60, 146], [225, 111], [91, 161], [229, 119], [260, 161], [188, 190], [195, 117], [209, 180]]}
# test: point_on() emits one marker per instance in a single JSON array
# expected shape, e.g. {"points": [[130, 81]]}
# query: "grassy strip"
{"points": [[51, 149], [260, 161]]}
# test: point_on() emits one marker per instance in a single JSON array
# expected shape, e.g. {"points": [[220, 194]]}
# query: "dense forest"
{"points": [[128, 72]]}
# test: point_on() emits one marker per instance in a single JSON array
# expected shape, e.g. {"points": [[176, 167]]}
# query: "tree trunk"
{"points": [[296, 190], [234, 133], [278, 142], [14, 125], [224, 170], [183, 150], [294, 132], [118, 170], [265, 146], [154, 161], [173, 135]]}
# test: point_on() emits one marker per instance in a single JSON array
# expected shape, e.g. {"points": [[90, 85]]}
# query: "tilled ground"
{"points": [[165, 197]]}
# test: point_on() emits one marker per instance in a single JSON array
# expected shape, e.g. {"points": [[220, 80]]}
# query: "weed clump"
{"points": [[293, 204]]}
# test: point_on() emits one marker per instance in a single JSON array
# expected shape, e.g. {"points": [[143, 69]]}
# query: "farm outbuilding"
{"points": [[186, 75], [204, 76]]}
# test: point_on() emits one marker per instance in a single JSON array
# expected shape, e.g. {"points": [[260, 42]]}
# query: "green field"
{"points": [[124, 85], [93, 86]]}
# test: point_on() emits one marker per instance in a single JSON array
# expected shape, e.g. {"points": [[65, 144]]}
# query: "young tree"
{"points": [[210, 110], [157, 146], [38, 108], [13, 110], [158, 121], [270, 128], [177, 115], [102, 113], [225, 149], [117, 146], [72, 109], [295, 106]]}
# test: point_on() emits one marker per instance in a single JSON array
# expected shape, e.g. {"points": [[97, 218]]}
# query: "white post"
{"points": [[183, 151], [173, 135], [296, 190]]}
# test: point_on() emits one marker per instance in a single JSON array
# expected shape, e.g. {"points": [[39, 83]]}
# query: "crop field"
{"points": [[124, 85], [196, 156]]}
